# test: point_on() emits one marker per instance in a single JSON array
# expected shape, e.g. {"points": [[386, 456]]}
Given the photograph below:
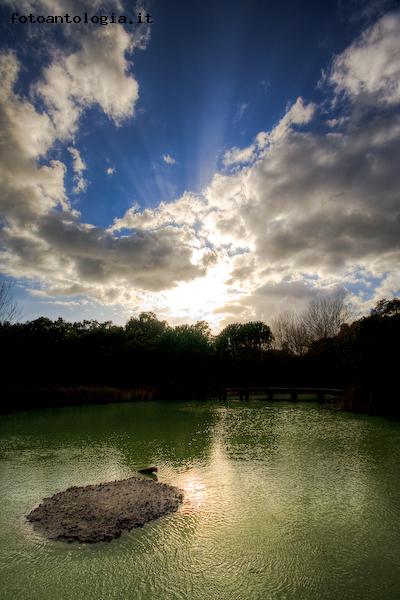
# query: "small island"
{"points": [[100, 513]]}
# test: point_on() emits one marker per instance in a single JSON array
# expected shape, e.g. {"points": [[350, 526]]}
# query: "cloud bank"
{"points": [[310, 206]]}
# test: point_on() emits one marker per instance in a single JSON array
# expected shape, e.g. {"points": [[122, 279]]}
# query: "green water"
{"points": [[282, 501]]}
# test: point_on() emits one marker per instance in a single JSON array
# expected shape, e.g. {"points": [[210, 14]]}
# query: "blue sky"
{"points": [[166, 165]]}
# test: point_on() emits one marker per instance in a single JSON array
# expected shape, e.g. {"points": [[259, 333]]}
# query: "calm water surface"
{"points": [[282, 501]]}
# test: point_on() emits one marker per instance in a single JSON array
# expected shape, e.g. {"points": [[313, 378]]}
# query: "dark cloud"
{"points": [[306, 206]]}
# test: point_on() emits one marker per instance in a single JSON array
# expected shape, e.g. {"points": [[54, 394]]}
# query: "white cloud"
{"points": [[28, 189], [304, 210], [110, 170], [80, 183], [41, 236], [370, 67], [236, 156], [167, 158], [301, 218], [97, 73], [297, 114], [78, 163]]}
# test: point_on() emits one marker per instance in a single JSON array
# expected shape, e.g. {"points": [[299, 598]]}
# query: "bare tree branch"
{"points": [[9, 309], [322, 320], [325, 316], [290, 333]]}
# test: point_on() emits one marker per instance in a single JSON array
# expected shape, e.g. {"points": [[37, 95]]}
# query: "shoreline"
{"points": [[356, 399]]}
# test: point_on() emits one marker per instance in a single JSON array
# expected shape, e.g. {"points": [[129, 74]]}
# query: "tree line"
{"points": [[319, 347]]}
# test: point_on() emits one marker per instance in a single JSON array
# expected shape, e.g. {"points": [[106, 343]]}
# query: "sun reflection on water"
{"points": [[194, 488]]}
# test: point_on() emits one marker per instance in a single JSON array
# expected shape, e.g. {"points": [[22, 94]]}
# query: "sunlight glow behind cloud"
{"points": [[309, 205]]}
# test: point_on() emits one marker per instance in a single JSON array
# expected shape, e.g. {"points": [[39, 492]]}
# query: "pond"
{"points": [[282, 501]]}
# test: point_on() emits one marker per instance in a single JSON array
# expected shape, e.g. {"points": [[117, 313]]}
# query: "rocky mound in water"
{"points": [[97, 513]]}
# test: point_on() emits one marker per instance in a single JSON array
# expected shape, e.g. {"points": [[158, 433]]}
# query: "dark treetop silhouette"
{"points": [[147, 358]]}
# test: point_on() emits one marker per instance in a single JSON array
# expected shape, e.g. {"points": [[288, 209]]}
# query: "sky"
{"points": [[228, 161]]}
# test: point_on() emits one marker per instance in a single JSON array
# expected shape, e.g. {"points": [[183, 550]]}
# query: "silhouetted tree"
{"points": [[361, 356], [290, 333], [324, 317], [186, 339], [322, 320], [146, 329], [9, 309], [386, 308], [244, 340]]}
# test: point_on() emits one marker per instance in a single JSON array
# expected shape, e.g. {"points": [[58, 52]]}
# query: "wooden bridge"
{"points": [[267, 393]]}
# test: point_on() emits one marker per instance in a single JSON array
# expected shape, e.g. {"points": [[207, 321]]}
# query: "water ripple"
{"points": [[282, 501]]}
